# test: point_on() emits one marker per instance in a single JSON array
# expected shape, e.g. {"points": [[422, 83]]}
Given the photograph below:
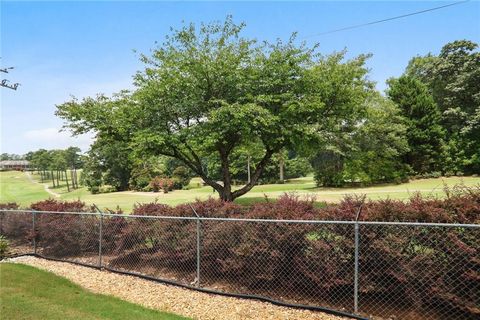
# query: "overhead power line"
{"points": [[387, 19]]}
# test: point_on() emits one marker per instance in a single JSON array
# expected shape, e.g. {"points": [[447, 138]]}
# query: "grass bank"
{"points": [[30, 293]]}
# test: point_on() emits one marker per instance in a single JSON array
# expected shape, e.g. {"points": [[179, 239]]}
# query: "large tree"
{"points": [[369, 152], [424, 133], [453, 79], [208, 92], [109, 160], [380, 142]]}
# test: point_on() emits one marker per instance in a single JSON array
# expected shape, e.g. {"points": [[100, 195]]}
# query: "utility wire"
{"points": [[387, 19]]}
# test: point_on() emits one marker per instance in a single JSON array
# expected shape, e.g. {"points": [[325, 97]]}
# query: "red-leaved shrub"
{"points": [[9, 206], [16, 226], [63, 235], [435, 267]]}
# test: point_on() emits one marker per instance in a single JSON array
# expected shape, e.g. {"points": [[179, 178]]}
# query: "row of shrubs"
{"points": [[436, 268]]}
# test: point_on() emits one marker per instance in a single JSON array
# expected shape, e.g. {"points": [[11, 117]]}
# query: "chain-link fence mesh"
{"points": [[419, 272], [301, 263], [384, 271], [155, 247], [69, 237], [17, 228]]}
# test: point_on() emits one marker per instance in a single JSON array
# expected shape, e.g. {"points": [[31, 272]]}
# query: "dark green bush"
{"points": [[181, 177], [3, 246]]}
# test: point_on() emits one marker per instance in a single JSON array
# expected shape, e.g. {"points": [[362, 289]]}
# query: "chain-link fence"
{"points": [[377, 269]]}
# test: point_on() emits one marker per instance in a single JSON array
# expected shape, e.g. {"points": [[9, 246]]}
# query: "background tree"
{"points": [[73, 159], [59, 164], [370, 152], [453, 79], [11, 156], [110, 158], [210, 91], [111, 161], [41, 160], [424, 133], [328, 165], [380, 142]]}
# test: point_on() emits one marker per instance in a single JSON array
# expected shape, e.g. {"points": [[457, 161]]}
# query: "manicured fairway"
{"points": [[16, 187], [30, 293], [20, 189]]}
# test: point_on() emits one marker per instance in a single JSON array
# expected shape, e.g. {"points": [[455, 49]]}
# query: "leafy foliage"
{"points": [[372, 151], [246, 254], [208, 92], [3, 246], [424, 132], [161, 183], [453, 79], [181, 177]]}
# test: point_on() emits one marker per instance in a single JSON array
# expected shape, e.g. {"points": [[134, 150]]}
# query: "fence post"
{"points": [[355, 287], [199, 230], [34, 233], [357, 245], [100, 237]]}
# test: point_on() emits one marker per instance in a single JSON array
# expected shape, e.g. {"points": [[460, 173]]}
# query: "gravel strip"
{"points": [[189, 303]]}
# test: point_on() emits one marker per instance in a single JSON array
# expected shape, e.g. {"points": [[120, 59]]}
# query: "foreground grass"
{"points": [[24, 192], [30, 293]]}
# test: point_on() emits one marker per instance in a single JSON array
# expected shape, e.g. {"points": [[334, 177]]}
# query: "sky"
{"points": [[64, 48]]}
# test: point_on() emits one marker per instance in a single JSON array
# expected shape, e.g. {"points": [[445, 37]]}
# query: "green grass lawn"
{"points": [[30, 293], [15, 186]]}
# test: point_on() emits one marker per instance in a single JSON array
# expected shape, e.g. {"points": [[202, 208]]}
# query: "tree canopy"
{"points": [[453, 79], [209, 92], [425, 134]]}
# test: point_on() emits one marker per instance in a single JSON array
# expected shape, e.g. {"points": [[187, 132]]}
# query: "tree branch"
{"points": [[256, 175], [197, 169]]}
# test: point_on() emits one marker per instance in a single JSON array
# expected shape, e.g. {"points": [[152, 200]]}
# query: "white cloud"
{"points": [[53, 138]]}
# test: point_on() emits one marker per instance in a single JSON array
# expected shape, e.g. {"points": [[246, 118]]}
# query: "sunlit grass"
{"points": [[30, 293], [16, 187]]}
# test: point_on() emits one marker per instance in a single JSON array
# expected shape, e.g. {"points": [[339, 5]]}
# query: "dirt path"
{"points": [[189, 303], [45, 186]]}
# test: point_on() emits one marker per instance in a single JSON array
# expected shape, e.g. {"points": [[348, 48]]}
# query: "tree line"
{"points": [[235, 110], [57, 166]]}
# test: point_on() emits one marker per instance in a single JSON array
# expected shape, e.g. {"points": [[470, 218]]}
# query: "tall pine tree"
{"points": [[425, 134]]}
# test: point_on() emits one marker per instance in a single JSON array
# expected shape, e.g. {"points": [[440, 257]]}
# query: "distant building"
{"points": [[15, 165]]}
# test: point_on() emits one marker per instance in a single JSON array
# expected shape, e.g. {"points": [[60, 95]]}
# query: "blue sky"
{"points": [[65, 48]]}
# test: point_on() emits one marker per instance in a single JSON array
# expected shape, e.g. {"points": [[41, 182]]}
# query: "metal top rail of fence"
{"points": [[407, 270]]}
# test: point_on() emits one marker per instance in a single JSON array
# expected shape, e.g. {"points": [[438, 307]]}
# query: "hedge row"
{"points": [[424, 268]]}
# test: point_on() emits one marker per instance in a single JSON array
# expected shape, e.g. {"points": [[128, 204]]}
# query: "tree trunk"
{"points": [[72, 179], [248, 169], [226, 193], [58, 179], [226, 196], [281, 164], [66, 179], [53, 179], [75, 175], [256, 175]]}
